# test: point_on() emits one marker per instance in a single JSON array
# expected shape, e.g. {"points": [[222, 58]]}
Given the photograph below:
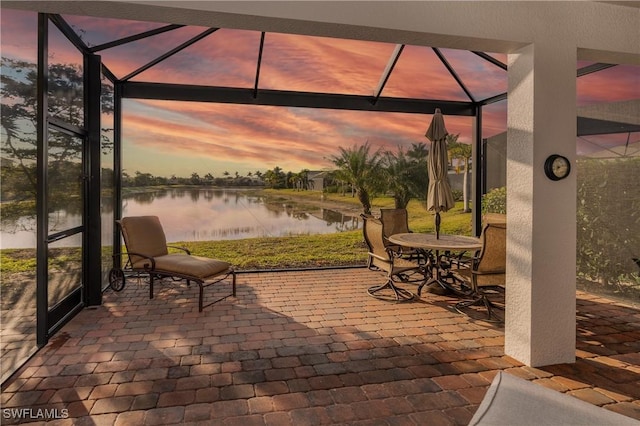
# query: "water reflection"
{"points": [[223, 214], [201, 215]]}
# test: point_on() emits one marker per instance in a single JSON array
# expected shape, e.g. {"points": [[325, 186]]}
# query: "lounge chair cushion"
{"points": [[512, 401], [183, 264], [144, 234]]}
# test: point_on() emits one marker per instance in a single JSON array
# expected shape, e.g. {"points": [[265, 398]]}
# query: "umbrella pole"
{"points": [[437, 218]]}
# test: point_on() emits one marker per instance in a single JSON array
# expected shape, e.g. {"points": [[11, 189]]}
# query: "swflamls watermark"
{"points": [[35, 413]]}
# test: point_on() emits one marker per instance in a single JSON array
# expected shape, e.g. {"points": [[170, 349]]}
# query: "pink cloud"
{"points": [[268, 136], [618, 83], [19, 31]]}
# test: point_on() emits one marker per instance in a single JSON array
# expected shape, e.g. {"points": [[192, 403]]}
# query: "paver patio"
{"points": [[303, 348]]}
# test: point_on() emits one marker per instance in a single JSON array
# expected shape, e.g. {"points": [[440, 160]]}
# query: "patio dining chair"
{"points": [[148, 253], [383, 258], [487, 271], [396, 221]]}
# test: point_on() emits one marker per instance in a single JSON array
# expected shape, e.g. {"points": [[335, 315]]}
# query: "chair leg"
{"points": [[398, 294], [151, 286], [233, 282], [203, 284]]}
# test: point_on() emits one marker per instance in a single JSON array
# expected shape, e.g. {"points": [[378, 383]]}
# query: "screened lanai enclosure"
{"points": [[90, 102]]}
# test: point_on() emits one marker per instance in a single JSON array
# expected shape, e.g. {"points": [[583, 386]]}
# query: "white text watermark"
{"points": [[35, 413]]}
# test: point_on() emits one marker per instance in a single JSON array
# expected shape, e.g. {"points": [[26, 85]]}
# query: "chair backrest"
{"points": [[144, 235], [394, 221], [373, 229], [494, 218], [492, 261]]}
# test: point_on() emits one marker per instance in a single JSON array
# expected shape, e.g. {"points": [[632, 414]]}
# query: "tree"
{"points": [[195, 179], [461, 151], [418, 152], [362, 169], [406, 176], [143, 179], [304, 179], [275, 178]]}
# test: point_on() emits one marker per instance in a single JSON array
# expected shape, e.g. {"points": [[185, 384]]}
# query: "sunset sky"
{"points": [[165, 138]]}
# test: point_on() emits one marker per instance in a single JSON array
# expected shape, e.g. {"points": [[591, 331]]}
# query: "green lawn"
{"points": [[345, 248]]}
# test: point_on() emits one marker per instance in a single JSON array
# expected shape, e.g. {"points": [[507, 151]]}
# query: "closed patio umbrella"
{"points": [[439, 195]]}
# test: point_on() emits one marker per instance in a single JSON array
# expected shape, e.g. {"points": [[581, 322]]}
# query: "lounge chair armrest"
{"points": [[153, 261], [186, 250]]}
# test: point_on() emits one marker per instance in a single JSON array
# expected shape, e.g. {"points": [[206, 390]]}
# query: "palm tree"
{"points": [[275, 178], [418, 152], [461, 151], [362, 169], [406, 177]]}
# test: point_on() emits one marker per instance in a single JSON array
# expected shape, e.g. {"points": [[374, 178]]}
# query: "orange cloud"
{"points": [[261, 137]]}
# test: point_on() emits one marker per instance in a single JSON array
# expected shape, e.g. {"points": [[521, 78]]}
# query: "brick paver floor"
{"points": [[302, 348]]}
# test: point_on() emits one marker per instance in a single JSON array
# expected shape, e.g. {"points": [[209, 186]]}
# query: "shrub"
{"points": [[495, 201], [608, 220]]}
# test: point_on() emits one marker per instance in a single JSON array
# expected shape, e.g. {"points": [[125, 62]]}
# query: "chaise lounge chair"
{"points": [[147, 252]]}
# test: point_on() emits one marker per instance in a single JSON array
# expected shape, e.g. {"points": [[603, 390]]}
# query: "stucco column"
{"points": [[541, 231]]}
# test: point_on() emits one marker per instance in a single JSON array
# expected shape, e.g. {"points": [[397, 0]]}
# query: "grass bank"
{"points": [[344, 248]]}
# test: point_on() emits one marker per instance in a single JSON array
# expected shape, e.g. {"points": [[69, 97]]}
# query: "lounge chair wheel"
{"points": [[116, 279]]}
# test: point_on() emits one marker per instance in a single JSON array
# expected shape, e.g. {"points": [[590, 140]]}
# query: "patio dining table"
{"points": [[437, 252]]}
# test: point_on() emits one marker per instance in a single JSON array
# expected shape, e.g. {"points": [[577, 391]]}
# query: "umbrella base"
{"points": [[436, 288]]}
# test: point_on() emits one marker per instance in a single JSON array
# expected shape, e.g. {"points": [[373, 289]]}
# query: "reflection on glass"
{"points": [[106, 180], [65, 268], [17, 191], [65, 181], [66, 84]]}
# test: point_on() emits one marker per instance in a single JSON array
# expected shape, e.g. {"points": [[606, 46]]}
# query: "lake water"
{"points": [[209, 214]]}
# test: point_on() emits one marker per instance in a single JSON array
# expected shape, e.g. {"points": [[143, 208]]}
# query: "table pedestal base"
{"points": [[434, 287]]}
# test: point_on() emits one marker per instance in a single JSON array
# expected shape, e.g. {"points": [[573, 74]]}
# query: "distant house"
{"points": [[317, 180]]}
